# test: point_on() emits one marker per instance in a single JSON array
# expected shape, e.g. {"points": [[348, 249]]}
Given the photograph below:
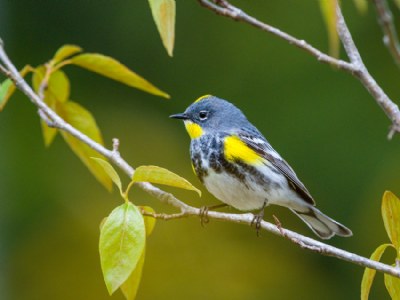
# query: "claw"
{"points": [[204, 215], [256, 222]]}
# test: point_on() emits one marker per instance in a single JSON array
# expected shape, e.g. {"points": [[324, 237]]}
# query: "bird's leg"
{"points": [[258, 218], [204, 212]]}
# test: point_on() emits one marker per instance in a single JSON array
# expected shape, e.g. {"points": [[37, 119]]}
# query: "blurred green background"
{"points": [[321, 120]]}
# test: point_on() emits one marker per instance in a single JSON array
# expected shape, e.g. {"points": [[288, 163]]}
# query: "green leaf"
{"points": [[122, 241], [159, 175], [6, 90], [65, 52], [58, 85], [328, 9], [149, 222], [163, 12], [110, 172], [111, 68], [369, 274], [362, 5], [130, 287], [82, 120], [391, 218], [393, 286]]}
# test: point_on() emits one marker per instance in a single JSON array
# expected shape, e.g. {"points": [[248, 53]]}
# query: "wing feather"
{"points": [[262, 147]]}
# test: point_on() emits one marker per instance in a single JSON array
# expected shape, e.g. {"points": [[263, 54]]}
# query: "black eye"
{"points": [[203, 115]]}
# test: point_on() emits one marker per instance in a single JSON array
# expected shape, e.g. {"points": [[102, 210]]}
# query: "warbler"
{"points": [[238, 166]]}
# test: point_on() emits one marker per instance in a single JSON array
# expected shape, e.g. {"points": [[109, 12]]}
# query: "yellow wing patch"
{"points": [[236, 149], [201, 98], [193, 129]]}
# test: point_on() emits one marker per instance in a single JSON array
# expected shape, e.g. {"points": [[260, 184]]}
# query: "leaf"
{"points": [[82, 120], [328, 9], [58, 85], [393, 286], [7, 88], [65, 52], [122, 241], [391, 218], [369, 274], [110, 172], [159, 175], [149, 222], [111, 68], [130, 287], [362, 5], [163, 12]]}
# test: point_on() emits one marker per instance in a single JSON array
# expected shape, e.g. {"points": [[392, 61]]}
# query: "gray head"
{"points": [[212, 114]]}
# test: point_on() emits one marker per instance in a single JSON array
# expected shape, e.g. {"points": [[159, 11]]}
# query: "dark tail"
{"points": [[321, 224]]}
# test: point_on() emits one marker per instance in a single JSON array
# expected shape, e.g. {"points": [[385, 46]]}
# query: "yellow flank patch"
{"points": [[193, 129], [201, 98], [236, 149]]}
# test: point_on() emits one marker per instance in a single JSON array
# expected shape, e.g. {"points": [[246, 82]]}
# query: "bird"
{"points": [[237, 165]]}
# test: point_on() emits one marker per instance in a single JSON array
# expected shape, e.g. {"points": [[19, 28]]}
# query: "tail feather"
{"points": [[321, 224]]}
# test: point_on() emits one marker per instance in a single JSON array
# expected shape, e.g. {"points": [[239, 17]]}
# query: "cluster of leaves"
{"points": [[391, 220], [123, 233], [51, 83]]}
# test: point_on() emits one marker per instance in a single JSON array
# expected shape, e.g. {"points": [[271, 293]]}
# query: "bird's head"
{"points": [[209, 114]]}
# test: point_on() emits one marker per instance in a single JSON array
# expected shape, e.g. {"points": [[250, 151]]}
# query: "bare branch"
{"points": [[165, 197], [355, 67], [387, 105], [390, 38]]}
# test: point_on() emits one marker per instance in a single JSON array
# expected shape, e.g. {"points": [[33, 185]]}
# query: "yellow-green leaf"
{"points": [[149, 222], [391, 218], [393, 286], [49, 133], [130, 287], [65, 52], [328, 9], [362, 5], [110, 171], [7, 88], [58, 85], [122, 241], [111, 68], [163, 12], [82, 120], [159, 175], [369, 274]]}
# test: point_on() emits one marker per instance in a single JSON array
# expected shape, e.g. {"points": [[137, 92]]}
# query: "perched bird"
{"points": [[238, 166]]}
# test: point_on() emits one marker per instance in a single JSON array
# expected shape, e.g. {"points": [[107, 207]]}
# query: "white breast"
{"points": [[250, 195]]}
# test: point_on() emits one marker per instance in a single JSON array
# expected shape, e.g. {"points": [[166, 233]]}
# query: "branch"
{"points": [[355, 67], [390, 38], [165, 197]]}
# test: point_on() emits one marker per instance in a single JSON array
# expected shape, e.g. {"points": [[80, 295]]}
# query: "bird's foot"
{"points": [[203, 214], [256, 222]]}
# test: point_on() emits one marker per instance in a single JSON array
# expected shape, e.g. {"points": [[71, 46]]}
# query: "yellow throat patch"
{"points": [[236, 149], [193, 129]]}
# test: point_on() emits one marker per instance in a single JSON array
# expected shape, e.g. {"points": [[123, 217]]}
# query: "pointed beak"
{"points": [[181, 116]]}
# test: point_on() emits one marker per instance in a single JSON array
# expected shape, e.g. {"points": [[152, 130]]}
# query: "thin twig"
{"points": [[165, 197], [388, 106], [355, 67], [390, 38]]}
